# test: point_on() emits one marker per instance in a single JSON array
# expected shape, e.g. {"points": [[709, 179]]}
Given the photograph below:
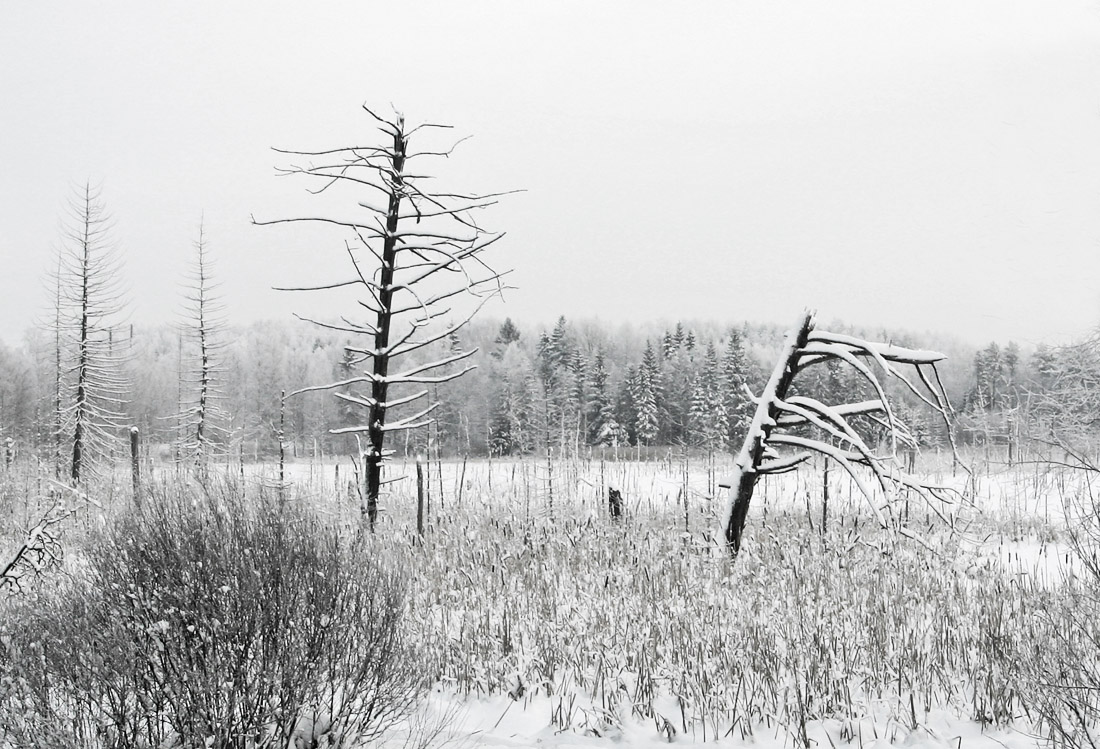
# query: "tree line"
{"points": [[570, 388]]}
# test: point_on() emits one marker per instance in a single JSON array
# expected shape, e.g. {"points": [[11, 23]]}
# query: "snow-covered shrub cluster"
{"points": [[210, 618]]}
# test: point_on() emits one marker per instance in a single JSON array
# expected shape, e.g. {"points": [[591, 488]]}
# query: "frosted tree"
{"points": [[626, 411], [603, 421], [510, 428], [508, 334], [679, 336], [203, 423], [91, 386], [736, 369], [415, 257], [1064, 403], [988, 379], [668, 345], [807, 425], [708, 421], [556, 367], [578, 396], [676, 376], [16, 398], [598, 405], [646, 393]]}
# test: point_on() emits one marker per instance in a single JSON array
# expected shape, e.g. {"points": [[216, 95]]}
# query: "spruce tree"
{"points": [[735, 378], [647, 395]]}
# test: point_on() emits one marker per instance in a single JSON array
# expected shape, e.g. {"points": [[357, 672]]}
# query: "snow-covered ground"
{"points": [[1013, 524], [500, 722]]}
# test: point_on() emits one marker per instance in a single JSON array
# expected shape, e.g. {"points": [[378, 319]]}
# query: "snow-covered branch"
{"points": [[834, 426]]}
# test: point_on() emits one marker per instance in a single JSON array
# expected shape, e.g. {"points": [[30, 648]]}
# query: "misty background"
{"points": [[930, 167]]}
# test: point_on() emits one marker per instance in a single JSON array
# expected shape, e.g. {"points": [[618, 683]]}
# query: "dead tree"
{"points": [[202, 422], [89, 306], [416, 260], [780, 416]]}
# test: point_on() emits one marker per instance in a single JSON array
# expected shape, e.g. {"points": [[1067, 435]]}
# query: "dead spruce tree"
{"points": [[416, 260], [810, 426], [90, 356], [202, 422]]}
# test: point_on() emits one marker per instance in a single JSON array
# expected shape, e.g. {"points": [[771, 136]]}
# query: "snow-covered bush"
{"points": [[210, 620]]}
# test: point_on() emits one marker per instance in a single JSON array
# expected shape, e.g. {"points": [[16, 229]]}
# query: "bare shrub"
{"points": [[1059, 658], [210, 620]]}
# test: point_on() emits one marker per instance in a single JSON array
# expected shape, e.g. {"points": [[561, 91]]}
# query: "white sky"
{"points": [[925, 165]]}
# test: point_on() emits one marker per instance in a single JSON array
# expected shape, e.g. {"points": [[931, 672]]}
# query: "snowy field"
{"points": [[546, 623]]}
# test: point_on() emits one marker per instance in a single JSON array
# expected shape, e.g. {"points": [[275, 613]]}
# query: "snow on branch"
{"points": [[416, 253], [834, 430]]}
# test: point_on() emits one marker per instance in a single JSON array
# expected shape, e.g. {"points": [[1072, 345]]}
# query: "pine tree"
{"points": [[668, 346], [598, 398], [560, 348], [735, 379], [988, 379], [604, 425], [508, 335], [578, 395], [675, 404], [505, 420], [1012, 383], [626, 411], [678, 337], [545, 356], [647, 395], [708, 423], [347, 412]]}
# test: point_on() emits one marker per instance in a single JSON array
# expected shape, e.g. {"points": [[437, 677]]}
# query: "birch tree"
{"points": [[416, 258]]}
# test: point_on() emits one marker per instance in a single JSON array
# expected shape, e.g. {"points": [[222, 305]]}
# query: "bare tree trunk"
{"points": [[282, 446], [752, 451], [58, 416], [81, 375], [380, 385]]}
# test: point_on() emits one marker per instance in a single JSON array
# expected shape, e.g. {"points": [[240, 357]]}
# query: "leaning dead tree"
{"points": [[808, 426], [416, 260]]}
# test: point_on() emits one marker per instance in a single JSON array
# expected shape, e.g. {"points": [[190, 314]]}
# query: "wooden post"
{"points": [[135, 463], [419, 496]]}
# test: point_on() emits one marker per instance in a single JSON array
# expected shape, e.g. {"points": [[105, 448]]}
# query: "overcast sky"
{"points": [[924, 165]]}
